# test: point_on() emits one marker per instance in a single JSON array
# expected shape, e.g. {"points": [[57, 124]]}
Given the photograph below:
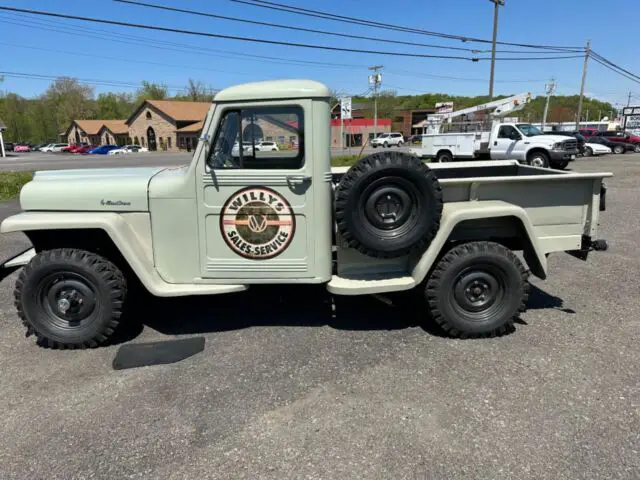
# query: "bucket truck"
{"points": [[516, 141]]}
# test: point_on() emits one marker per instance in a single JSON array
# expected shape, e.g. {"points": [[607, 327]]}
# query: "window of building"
{"points": [[292, 139], [169, 143], [143, 141], [136, 141], [181, 142], [269, 139], [238, 141], [148, 115]]}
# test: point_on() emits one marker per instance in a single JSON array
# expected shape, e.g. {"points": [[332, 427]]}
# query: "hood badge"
{"points": [[114, 203]]}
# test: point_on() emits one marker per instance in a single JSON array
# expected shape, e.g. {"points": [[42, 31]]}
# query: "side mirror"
{"points": [[515, 136]]}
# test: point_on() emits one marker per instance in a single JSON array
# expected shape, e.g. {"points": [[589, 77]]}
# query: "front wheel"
{"points": [[477, 289], [588, 152], [560, 164], [70, 298], [538, 159], [618, 149]]}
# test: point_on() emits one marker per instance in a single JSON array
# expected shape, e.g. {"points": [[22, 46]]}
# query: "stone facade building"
{"points": [[83, 131], [167, 125], [114, 132]]}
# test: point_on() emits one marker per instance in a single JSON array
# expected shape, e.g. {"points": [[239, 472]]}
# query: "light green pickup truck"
{"points": [[236, 217]]}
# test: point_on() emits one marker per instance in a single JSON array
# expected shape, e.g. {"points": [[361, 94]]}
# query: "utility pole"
{"points": [[375, 79], [497, 5], [550, 88], [587, 52], [629, 99]]}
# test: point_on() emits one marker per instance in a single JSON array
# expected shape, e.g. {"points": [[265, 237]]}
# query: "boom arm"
{"points": [[500, 108]]}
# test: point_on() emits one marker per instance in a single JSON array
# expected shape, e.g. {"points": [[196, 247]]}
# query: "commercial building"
{"points": [[167, 125], [356, 131], [83, 131], [114, 132]]}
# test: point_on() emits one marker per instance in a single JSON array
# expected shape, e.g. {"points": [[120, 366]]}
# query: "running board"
{"points": [[367, 285]]}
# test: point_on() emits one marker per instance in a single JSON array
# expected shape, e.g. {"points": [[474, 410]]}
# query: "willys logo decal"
{"points": [[257, 223]]}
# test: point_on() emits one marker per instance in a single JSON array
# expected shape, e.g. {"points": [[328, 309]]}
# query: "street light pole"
{"points": [[497, 4]]}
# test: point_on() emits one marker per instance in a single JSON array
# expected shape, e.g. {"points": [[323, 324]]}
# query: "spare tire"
{"points": [[388, 205]]}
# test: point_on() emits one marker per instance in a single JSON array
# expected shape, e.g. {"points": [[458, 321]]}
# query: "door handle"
{"points": [[298, 179], [495, 144]]}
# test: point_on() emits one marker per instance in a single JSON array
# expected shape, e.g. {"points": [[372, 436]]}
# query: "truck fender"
{"points": [[454, 213]]}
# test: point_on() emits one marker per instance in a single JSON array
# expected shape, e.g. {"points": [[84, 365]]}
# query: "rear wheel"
{"points": [[636, 148], [444, 156], [400, 144], [477, 289], [70, 298], [385, 144], [618, 149]]}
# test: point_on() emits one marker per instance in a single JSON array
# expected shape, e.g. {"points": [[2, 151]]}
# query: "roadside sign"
{"points": [[345, 108], [631, 117], [444, 107]]}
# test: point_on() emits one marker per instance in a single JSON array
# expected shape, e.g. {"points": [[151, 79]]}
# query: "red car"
{"points": [[588, 132], [22, 148], [84, 149], [73, 148], [622, 137]]}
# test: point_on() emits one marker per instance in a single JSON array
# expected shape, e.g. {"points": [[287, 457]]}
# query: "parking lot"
{"points": [[291, 386]]}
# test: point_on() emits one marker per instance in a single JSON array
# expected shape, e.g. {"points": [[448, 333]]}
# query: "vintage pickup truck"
{"points": [[230, 220]]}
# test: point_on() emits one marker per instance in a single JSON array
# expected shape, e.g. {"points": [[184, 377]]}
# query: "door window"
{"points": [[506, 132], [242, 130]]}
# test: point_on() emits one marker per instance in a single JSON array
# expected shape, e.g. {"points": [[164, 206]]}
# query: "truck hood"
{"points": [[548, 139], [100, 189]]}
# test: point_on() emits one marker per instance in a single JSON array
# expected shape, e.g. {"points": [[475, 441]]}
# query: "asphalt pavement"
{"points": [[289, 386], [31, 161]]}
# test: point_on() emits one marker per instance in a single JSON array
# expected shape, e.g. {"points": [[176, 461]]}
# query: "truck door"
{"points": [[503, 144], [256, 204]]}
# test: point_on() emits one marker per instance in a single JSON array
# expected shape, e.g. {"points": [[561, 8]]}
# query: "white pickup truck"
{"points": [[521, 141]]}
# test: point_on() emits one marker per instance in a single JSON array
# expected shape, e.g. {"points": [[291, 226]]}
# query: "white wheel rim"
{"points": [[537, 162]]}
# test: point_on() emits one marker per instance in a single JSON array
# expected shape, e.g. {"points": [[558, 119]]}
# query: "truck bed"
{"points": [[561, 208]]}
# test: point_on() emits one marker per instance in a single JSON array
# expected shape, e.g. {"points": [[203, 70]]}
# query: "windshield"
{"points": [[383, 135], [528, 130]]}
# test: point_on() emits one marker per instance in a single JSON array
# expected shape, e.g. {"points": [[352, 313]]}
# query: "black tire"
{"points": [[385, 145], [636, 147], [619, 150], [45, 300], [461, 281], [588, 152], [374, 146], [388, 204], [399, 145], [444, 156], [560, 164], [538, 159]]}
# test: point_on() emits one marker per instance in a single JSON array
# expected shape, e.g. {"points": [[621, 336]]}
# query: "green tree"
{"points": [[68, 100], [196, 91], [114, 105], [152, 91]]}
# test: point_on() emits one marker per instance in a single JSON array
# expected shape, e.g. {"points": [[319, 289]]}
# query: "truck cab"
{"points": [[237, 216]]}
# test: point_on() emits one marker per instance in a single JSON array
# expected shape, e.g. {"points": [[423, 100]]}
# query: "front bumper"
{"points": [[569, 155]]}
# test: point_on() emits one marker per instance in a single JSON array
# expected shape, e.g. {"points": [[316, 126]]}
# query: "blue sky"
{"points": [[63, 47]]}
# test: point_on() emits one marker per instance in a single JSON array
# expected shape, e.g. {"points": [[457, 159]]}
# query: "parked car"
{"points": [[588, 132], [622, 137], [595, 149], [102, 150], [72, 148], [85, 149], [22, 148], [128, 149], [38, 146], [616, 147], [54, 147], [266, 147], [8, 146], [388, 140]]}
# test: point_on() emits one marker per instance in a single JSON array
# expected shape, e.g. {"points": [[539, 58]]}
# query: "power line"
{"points": [[179, 47], [614, 70], [231, 37], [388, 26], [609, 62], [247, 39], [290, 27], [90, 81]]}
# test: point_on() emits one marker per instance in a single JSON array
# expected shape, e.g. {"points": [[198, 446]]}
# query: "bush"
{"points": [[12, 182]]}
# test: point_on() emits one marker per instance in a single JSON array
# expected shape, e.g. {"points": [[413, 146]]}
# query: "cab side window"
{"points": [[244, 139], [506, 131]]}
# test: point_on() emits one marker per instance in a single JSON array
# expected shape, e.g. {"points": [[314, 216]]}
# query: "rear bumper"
{"points": [[587, 246]]}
